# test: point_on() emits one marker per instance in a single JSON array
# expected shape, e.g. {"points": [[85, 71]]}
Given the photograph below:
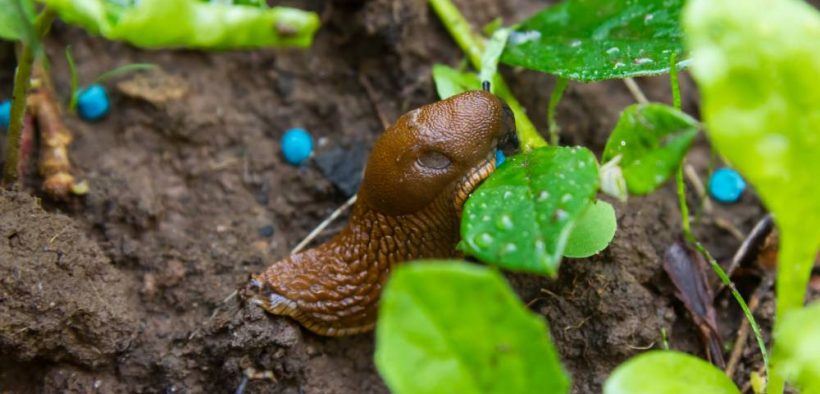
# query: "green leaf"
{"points": [[17, 20], [797, 348], [591, 40], [452, 327], [651, 139], [668, 372], [492, 52], [757, 64], [521, 217], [593, 232], [190, 23], [450, 82]]}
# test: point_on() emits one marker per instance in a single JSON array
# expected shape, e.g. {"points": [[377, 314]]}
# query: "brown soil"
{"points": [[123, 290]]}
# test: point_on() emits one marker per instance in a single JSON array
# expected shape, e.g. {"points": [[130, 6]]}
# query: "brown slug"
{"points": [[417, 178]]}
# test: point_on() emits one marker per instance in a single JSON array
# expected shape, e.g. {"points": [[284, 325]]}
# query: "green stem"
{"points": [[473, 47], [18, 108], [673, 79], [736, 294], [684, 207], [687, 232], [22, 81], [75, 80], [555, 98]]}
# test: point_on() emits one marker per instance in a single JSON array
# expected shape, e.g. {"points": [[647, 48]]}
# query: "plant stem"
{"points": [[22, 81], [473, 47], [75, 80], [18, 108], [687, 232], [673, 79], [555, 98]]}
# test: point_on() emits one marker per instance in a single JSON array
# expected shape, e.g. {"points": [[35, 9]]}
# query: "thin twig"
{"points": [[371, 95], [324, 224], [635, 90], [697, 183]]}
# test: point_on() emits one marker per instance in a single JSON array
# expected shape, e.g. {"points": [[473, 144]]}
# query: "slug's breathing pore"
{"points": [[417, 178]]}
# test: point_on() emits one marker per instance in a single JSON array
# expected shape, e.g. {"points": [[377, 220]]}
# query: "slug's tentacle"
{"points": [[421, 171]]}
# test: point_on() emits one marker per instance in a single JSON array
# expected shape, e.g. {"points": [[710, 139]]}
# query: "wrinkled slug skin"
{"points": [[416, 179]]}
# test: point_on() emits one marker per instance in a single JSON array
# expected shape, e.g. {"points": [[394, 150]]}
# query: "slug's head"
{"points": [[441, 150]]}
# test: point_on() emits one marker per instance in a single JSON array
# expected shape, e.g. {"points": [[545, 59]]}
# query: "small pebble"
{"points": [[266, 231], [5, 113], [726, 185], [92, 102], [499, 157], [297, 145]]}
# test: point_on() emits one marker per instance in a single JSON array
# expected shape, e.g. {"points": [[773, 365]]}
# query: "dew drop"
{"points": [[643, 60], [509, 248], [623, 143], [508, 194], [566, 198], [539, 245], [613, 51], [618, 65], [484, 240], [561, 214], [543, 195], [517, 38], [575, 43], [504, 222]]}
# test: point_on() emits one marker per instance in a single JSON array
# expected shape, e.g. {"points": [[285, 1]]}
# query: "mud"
{"points": [[125, 290]]}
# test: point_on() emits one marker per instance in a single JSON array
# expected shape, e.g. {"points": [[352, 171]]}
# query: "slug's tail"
{"points": [[315, 288]]}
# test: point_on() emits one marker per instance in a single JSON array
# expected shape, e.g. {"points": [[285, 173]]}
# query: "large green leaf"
{"points": [[757, 63], [590, 40], [651, 139], [190, 23], [668, 372], [797, 348], [452, 327], [521, 217], [17, 20]]}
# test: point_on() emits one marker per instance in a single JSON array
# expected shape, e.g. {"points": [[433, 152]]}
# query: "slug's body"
{"points": [[420, 172]]}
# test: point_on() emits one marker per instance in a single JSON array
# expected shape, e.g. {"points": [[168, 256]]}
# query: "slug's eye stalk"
{"points": [[485, 86], [434, 160]]}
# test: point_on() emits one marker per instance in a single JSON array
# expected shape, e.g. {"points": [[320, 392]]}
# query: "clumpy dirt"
{"points": [[125, 290]]}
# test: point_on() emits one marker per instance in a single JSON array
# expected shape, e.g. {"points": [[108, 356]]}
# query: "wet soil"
{"points": [[125, 290]]}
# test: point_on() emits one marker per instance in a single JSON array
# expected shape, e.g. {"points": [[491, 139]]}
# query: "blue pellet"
{"points": [[92, 102], [5, 113], [726, 185], [297, 145], [499, 157]]}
